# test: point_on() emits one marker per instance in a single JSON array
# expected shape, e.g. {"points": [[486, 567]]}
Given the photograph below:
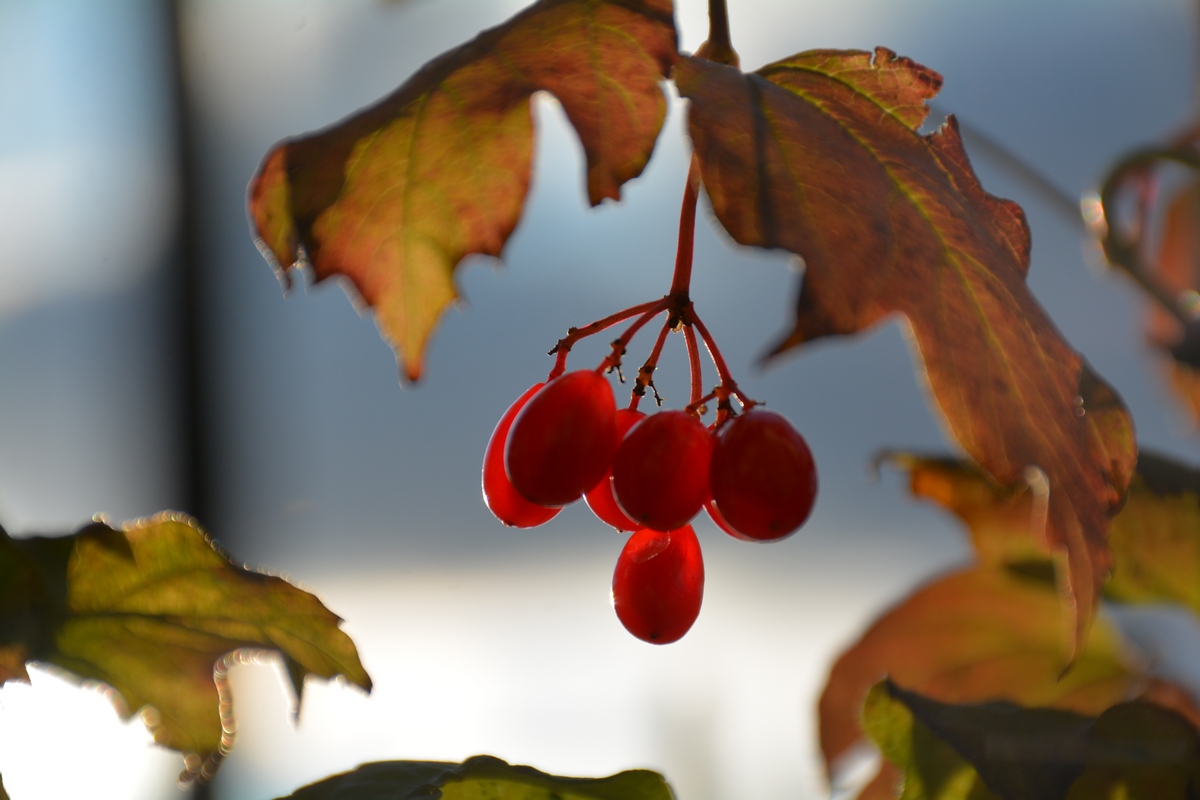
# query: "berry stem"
{"points": [[613, 359], [682, 279], [728, 384], [645, 376], [564, 345], [694, 367]]}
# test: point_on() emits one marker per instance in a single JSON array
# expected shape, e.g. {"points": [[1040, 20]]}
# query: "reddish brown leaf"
{"points": [[973, 636], [396, 196], [818, 154]]}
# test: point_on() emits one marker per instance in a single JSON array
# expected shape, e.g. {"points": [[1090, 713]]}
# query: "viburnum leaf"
{"points": [[977, 635], [149, 609], [1155, 537], [394, 197], [819, 155], [480, 778], [1001, 750]]}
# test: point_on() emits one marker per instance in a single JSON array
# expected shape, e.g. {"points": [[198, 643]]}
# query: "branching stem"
{"points": [[613, 359], [648, 310]]}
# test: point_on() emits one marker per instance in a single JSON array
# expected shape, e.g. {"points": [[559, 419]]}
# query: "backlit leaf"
{"points": [[971, 636], [818, 154], [394, 197], [480, 778], [1132, 751], [150, 609]]}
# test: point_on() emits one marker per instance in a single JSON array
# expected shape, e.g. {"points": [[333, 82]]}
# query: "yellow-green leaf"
{"points": [[149, 609], [819, 154], [480, 778], [394, 197], [1156, 537]]}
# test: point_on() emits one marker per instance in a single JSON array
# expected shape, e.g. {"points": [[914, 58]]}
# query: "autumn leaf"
{"points": [[1155, 537], [818, 154], [975, 635], [394, 197], [480, 778], [1000, 750], [150, 609]]}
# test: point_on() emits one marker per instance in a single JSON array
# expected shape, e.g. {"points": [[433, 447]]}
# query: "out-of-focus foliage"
{"points": [[1133, 751], [480, 778], [149, 609]]}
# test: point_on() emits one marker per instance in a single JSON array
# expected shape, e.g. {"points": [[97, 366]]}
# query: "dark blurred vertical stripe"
{"points": [[187, 290]]}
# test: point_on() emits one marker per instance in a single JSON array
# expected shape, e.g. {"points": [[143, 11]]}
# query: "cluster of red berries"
{"points": [[651, 474]]}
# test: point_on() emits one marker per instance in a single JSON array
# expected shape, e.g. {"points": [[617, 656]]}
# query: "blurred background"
{"points": [[149, 360]]}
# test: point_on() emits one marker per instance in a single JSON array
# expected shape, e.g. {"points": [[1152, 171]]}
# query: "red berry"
{"points": [[660, 471], [502, 500], [658, 584], [715, 515], [562, 442], [763, 478], [600, 497]]}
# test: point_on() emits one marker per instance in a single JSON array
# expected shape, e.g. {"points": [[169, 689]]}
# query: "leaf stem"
{"points": [[575, 334], [682, 279], [645, 376], [1124, 252]]}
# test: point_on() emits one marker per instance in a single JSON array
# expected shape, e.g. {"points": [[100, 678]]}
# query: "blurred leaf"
{"points": [[480, 778], [971, 636], [1006, 523], [818, 154], [930, 769], [397, 195], [1133, 751], [1155, 537], [149, 610]]}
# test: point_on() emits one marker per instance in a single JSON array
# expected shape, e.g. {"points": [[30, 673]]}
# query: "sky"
{"points": [[479, 638]]}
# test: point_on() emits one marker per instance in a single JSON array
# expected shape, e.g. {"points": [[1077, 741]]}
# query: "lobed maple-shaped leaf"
{"points": [[394, 197], [975, 635], [989, 751], [819, 154], [480, 778], [1155, 537], [149, 610]]}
